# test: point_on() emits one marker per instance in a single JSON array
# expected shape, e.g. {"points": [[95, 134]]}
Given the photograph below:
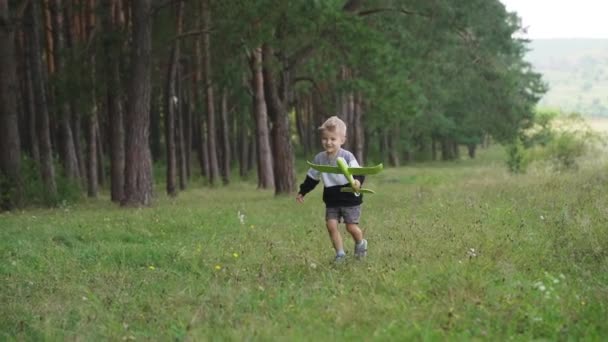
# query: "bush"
{"points": [[517, 160], [560, 141], [34, 192], [564, 150]]}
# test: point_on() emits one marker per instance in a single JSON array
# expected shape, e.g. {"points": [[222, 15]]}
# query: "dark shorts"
{"points": [[344, 214]]}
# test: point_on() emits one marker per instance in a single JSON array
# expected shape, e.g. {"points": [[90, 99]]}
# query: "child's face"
{"points": [[332, 141]]}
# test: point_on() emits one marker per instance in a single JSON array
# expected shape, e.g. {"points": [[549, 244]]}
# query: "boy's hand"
{"points": [[300, 198], [357, 185]]}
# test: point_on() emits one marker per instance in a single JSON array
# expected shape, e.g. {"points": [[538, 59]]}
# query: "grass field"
{"points": [[458, 251]]}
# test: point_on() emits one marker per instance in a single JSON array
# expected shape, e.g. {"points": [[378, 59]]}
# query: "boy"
{"points": [[339, 205]]}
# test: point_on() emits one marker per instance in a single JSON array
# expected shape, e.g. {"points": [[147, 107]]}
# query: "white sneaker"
{"points": [[361, 249]]}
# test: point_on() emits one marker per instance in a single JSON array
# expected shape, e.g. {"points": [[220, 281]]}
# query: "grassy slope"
{"points": [[576, 71], [457, 251]]}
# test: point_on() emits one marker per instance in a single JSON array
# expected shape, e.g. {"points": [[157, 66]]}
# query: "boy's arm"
{"points": [[308, 185]]}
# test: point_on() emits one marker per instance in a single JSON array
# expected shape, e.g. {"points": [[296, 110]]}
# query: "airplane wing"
{"points": [[368, 170], [325, 168]]}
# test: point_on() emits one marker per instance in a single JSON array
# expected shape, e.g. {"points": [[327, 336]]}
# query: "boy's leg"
{"points": [[360, 242], [334, 235], [355, 231]]}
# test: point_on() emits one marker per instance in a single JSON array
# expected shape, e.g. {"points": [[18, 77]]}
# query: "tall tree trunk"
{"points": [[30, 103], [471, 149], [155, 124], [214, 172], [114, 105], [199, 119], [179, 134], [72, 36], [67, 150], [92, 181], [187, 112], [282, 151], [359, 132], [447, 150], [264, 151], [138, 171], [101, 175], [243, 148], [171, 107], [95, 157], [29, 137], [393, 146], [47, 169], [226, 157], [10, 153]]}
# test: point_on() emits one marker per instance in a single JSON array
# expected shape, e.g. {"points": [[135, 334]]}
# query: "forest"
{"points": [[105, 95]]}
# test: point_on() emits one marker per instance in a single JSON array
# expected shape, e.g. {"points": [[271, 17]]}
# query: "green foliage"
{"points": [[471, 253], [560, 139], [8, 189], [68, 191], [517, 160], [564, 150]]}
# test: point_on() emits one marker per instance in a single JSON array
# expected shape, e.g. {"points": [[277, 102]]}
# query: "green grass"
{"points": [[459, 251]]}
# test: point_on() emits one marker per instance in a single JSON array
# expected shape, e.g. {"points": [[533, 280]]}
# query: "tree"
{"points": [[10, 153], [47, 169], [171, 106], [138, 171], [264, 153], [114, 105], [67, 148]]}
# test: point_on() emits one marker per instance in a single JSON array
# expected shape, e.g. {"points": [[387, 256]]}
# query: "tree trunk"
{"points": [[114, 106], [29, 101], [447, 150], [71, 35], [471, 148], [101, 175], [199, 119], [47, 169], [92, 181], [187, 112], [171, 107], [214, 172], [155, 124], [243, 148], [179, 135], [393, 146], [359, 132], [264, 151], [10, 153], [282, 151], [67, 149], [138, 171], [226, 157]]}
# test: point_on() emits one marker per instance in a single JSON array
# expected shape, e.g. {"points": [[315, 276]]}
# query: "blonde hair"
{"points": [[334, 124]]}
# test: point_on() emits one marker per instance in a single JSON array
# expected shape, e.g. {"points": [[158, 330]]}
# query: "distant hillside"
{"points": [[576, 71]]}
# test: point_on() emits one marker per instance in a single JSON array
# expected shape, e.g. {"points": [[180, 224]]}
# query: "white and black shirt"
{"points": [[333, 182]]}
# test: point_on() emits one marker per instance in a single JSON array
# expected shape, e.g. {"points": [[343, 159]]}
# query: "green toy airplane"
{"points": [[348, 172]]}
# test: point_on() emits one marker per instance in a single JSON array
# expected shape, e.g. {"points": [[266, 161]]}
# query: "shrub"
{"points": [[517, 160]]}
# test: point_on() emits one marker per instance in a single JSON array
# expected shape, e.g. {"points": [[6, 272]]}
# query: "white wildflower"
{"points": [[241, 217], [471, 253]]}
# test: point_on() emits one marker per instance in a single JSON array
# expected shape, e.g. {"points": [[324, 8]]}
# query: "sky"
{"points": [[562, 18]]}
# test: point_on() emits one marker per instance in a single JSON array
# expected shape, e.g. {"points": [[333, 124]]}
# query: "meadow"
{"points": [[457, 251]]}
